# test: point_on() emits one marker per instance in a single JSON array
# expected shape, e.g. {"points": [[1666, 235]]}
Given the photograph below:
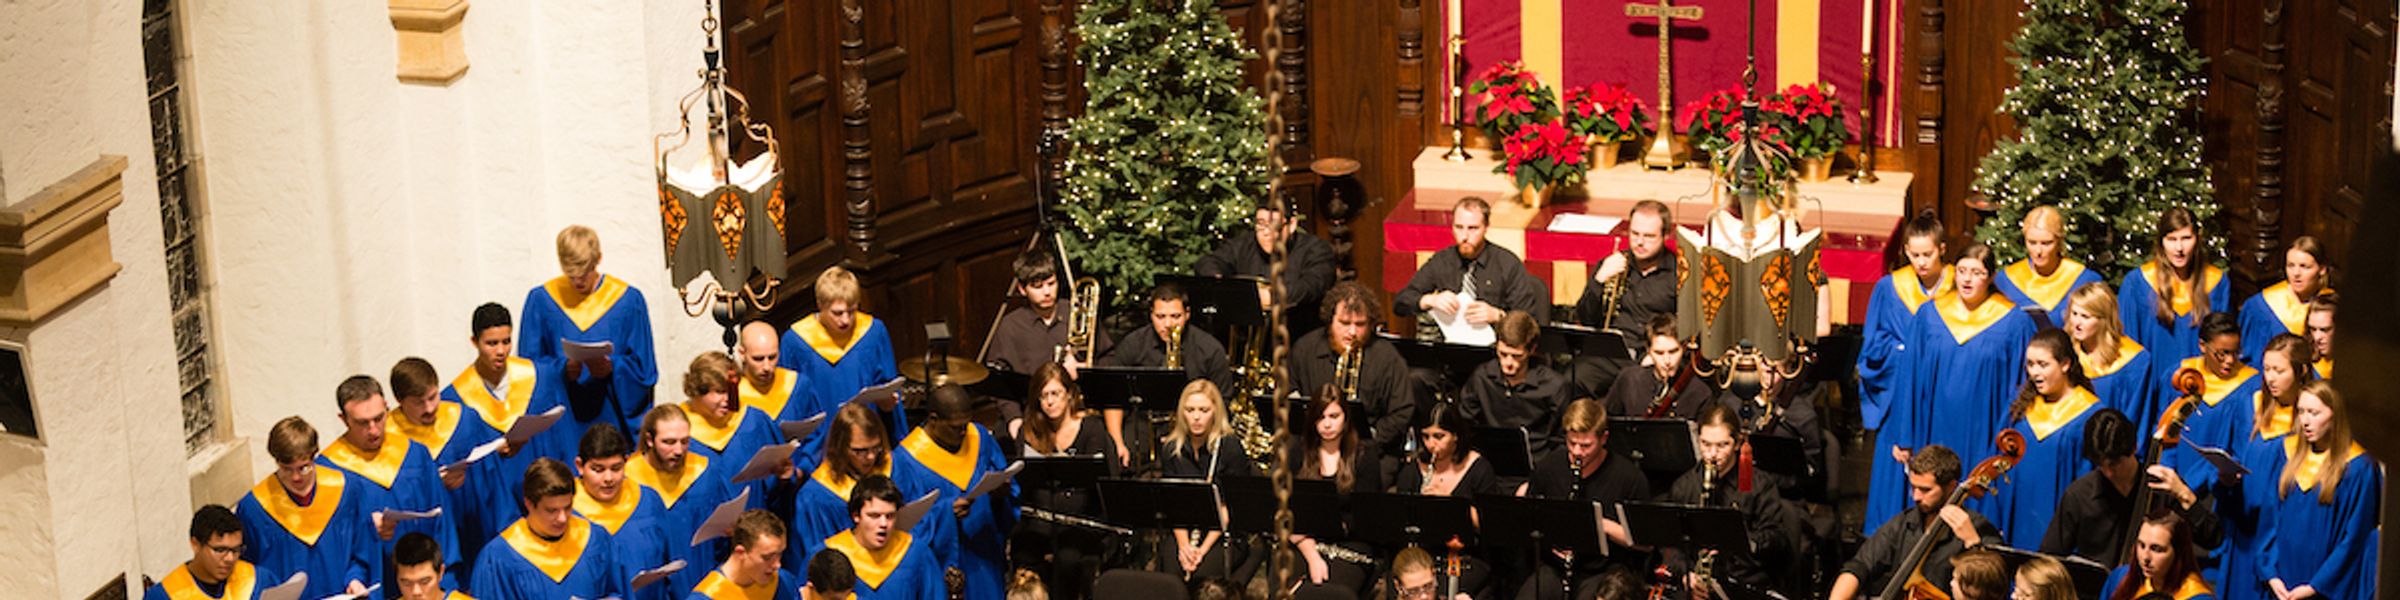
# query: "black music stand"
{"points": [[1220, 304], [1581, 340], [1061, 473], [1541, 523], [1453, 361], [1688, 527], [1141, 390], [1781, 455], [1250, 505], [1509, 449], [1411, 520], [1837, 357], [1663, 448], [1160, 504]]}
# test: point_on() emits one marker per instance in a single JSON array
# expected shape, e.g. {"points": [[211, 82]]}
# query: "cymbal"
{"points": [[960, 371]]}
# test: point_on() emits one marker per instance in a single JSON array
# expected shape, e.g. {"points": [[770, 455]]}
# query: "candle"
{"points": [[1866, 28], [1457, 19]]}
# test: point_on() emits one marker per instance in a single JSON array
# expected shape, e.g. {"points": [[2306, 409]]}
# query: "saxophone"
{"points": [[1240, 411], [1083, 321], [1345, 371]]}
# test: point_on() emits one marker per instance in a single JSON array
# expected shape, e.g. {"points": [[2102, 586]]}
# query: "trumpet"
{"points": [[1615, 289], [1083, 321]]}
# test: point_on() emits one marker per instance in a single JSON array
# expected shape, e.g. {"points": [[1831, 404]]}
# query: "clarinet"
{"points": [[1566, 581]]}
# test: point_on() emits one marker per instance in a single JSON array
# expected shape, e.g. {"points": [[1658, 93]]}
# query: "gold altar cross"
{"points": [[1665, 152]]}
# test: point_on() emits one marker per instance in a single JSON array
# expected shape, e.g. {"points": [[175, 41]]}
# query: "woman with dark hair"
{"points": [[2050, 410], [2165, 563], [1058, 426], [2162, 302], [1331, 452], [1891, 311], [1447, 463], [2283, 307], [856, 446]]}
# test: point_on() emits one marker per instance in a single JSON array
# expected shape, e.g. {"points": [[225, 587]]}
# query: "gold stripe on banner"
{"points": [[1840, 296], [1422, 256], [1568, 278], [1796, 28], [1540, 38]]}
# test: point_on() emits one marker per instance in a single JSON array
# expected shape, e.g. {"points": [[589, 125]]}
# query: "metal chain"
{"points": [[1282, 561]]}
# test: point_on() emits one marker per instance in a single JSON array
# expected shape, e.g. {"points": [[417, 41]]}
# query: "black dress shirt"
{"points": [[1382, 386], [1500, 280], [1307, 270], [1203, 355], [1876, 561], [1489, 400], [1647, 292]]}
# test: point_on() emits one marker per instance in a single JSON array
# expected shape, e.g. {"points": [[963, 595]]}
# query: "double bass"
{"points": [[1914, 586], [2168, 434]]}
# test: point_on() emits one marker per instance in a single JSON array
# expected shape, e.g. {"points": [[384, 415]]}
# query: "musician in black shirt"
{"points": [[1933, 473], [1473, 277], [1644, 278], [1308, 261], [1517, 388], [1778, 544], [2093, 512], [1636, 392], [1058, 426], [1586, 470], [1202, 448], [1380, 386]]}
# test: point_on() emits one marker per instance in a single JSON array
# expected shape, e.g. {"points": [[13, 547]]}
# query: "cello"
{"points": [[2168, 434], [2011, 446]]}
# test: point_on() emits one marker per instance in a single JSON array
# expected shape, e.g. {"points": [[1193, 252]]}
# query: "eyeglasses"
{"points": [[233, 550], [296, 470], [1422, 592]]}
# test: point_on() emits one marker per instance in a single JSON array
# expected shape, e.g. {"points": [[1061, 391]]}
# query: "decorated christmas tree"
{"points": [[1170, 153], [2107, 129]]}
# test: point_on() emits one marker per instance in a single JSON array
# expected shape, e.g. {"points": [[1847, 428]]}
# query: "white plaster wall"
{"points": [[110, 470], [355, 220]]}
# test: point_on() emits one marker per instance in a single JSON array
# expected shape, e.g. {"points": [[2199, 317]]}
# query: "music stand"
{"points": [[1663, 448], [1453, 361], [1142, 390], [1781, 455], [1219, 304], [1587, 341], [1688, 527], [1509, 449], [1060, 473], [1411, 520], [1250, 505], [1160, 504], [1837, 357], [1002, 383], [1539, 523]]}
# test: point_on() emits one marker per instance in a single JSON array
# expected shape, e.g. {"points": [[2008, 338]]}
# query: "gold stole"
{"points": [[638, 470], [2045, 292], [839, 485], [2279, 420], [720, 587], [240, 585], [956, 467], [2215, 390], [555, 559], [2192, 586], [304, 522], [777, 394], [608, 515], [2047, 417], [585, 309], [433, 437], [1965, 324], [714, 435], [2210, 276], [872, 567], [813, 332], [381, 468], [2287, 307], [2127, 349], [497, 412], [2312, 464], [1912, 291]]}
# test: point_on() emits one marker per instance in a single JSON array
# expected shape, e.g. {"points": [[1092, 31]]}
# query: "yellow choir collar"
{"points": [[2044, 291], [872, 567], [2193, 587], [1912, 290], [555, 559], [818, 339], [433, 437], [2127, 349], [720, 587], [2325, 368], [304, 522], [240, 585], [458, 595], [2047, 417], [585, 309], [2210, 276], [638, 470], [839, 485], [956, 467], [608, 515], [2278, 421], [772, 399], [381, 468], [2312, 464], [1966, 324], [496, 412], [2288, 308], [2215, 390], [714, 434]]}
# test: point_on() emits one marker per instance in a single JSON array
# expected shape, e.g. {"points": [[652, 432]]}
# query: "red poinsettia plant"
{"points": [[1511, 99], [1606, 113], [1710, 121], [1809, 118], [1542, 155]]}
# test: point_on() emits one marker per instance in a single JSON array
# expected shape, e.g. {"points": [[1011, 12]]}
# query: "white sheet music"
{"points": [[1456, 329]]}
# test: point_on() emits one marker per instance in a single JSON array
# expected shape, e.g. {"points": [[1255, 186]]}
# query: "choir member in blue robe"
{"points": [[2118, 366], [2320, 537], [2043, 280], [1891, 311], [829, 575], [754, 570], [724, 431], [667, 468], [303, 519], [551, 553], [497, 390], [2050, 411], [2320, 333], [2163, 302], [424, 419], [2241, 501], [1966, 359], [629, 513], [889, 563], [840, 350], [584, 306], [856, 447], [216, 570], [2223, 413], [2163, 552], [419, 571], [2284, 307], [766, 384], [399, 473], [950, 454]]}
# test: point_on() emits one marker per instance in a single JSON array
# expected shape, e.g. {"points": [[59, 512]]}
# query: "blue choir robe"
{"points": [[488, 499], [905, 570], [834, 370], [2172, 341], [688, 496], [2275, 310], [822, 508], [981, 537], [520, 565], [2053, 459], [2242, 504], [636, 540], [2194, 587], [719, 587], [437, 438], [2327, 546], [2323, 367], [2049, 294], [1965, 369], [400, 476], [2128, 385], [330, 539], [244, 583], [728, 445], [614, 313], [787, 400], [1891, 311], [2224, 415]]}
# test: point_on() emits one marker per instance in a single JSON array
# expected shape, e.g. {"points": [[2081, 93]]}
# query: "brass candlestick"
{"points": [[1865, 174], [1458, 101]]}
